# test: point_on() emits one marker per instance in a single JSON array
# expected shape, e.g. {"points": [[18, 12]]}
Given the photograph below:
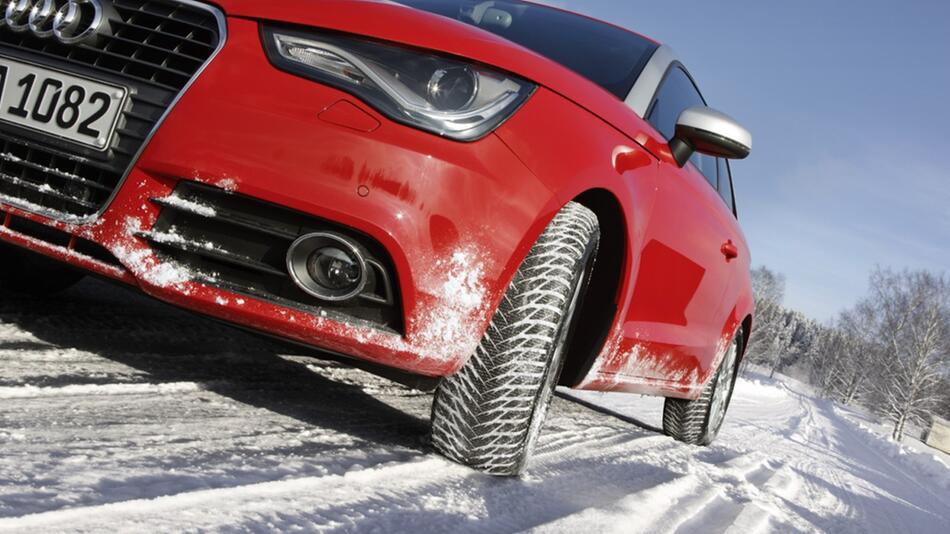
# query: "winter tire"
{"points": [[697, 422], [31, 274], [489, 414]]}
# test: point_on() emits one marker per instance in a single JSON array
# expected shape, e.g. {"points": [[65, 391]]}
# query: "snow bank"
{"points": [[921, 464], [763, 389]]}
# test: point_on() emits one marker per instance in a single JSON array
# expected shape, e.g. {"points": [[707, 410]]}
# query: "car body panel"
{"points": [[457, 218], [455, 247], [389, 21], [678, 302]]}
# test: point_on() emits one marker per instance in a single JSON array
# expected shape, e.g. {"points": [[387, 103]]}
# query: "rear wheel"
{"points": [[489, 414], [697, 422], [25, 272]]}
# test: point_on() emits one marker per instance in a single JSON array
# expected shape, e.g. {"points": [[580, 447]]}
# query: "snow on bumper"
{"points": [[457, 218], [451, 289]]}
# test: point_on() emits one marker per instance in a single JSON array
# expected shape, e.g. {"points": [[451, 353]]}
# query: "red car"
{"points": [[495, 196]]}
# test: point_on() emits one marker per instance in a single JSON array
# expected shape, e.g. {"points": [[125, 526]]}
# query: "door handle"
{"points": [[730, 250]]}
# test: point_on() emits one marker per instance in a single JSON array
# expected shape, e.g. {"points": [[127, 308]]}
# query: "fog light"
{"points": [[335, 269], [327, 266]]}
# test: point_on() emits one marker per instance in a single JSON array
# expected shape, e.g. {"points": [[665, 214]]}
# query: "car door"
{"points": [[677, 312], [739, 266]]}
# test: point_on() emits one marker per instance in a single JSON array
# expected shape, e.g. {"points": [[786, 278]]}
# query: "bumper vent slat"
{"points": [[156, 48], [230, 217], [240, 244], [160, 241], [58, 238]]}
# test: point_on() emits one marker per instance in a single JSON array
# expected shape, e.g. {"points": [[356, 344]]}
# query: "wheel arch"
{"points": [[599, 308]]}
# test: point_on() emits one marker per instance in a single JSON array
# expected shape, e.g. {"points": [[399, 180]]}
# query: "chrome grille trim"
{"points": [[56, 215]]}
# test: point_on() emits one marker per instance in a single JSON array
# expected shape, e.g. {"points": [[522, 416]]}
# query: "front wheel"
{"points": [[489, 414], [697, 422]]}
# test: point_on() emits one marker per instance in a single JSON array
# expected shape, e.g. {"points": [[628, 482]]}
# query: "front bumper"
{"points": [[455, 218]]}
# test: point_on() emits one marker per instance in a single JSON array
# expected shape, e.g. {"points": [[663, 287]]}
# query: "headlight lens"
{"points": [[444, 96]]}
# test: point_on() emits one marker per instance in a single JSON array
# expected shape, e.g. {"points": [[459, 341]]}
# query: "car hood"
{"points": [[389, 21]]}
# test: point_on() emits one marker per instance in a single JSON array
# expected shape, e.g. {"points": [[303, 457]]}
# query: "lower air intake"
{"points": [[240, 244]]}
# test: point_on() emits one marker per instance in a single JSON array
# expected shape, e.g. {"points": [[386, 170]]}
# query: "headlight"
{"points": [[459, 100]]}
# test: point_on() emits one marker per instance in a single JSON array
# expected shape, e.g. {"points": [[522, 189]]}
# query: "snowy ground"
{"points": [[121, 414]]}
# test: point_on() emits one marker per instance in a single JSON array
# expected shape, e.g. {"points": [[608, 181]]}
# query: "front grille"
{"points": [[155, 48], [240, 244]]}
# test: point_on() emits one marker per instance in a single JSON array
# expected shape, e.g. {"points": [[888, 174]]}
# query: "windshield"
{"points": [[606, 55]]}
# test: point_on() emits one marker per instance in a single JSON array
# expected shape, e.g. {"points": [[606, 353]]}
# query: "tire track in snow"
{"points": [[278, 443], [110, 390], [746, 495], [603, 442], [696, 496], [821, 480], [711, 507], [218, 505], [853, 441], [554, 474], [611, 444]]}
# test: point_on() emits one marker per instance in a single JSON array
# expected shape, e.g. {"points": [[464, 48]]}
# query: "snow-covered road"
{"points": [[121, 414]]}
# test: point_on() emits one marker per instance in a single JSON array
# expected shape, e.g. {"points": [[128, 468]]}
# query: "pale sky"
{"points": [[849, 106]]}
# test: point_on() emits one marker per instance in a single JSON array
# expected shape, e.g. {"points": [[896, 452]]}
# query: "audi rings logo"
{"points": [[69, 21]]}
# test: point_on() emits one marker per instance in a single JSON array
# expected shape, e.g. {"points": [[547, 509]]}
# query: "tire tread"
{"points": [[482, 416]]}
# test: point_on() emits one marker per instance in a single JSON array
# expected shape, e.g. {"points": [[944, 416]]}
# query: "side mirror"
{"points": [[709, 132]]}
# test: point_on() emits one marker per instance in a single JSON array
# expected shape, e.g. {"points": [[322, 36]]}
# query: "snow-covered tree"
{"points": [[769, 335], [890, 352], [858, 353], [820, 359], [911, 326], [792, 339], [943, 408]]}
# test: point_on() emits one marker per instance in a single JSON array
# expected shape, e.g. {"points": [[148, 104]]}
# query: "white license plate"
{"points": [[63, 105]]}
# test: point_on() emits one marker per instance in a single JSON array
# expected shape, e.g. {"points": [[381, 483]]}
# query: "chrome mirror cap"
{"points": [[709, 132]]}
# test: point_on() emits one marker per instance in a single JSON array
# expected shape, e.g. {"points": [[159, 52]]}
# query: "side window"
{"points": [[725, 185], [675, 95], [707, 166]]}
